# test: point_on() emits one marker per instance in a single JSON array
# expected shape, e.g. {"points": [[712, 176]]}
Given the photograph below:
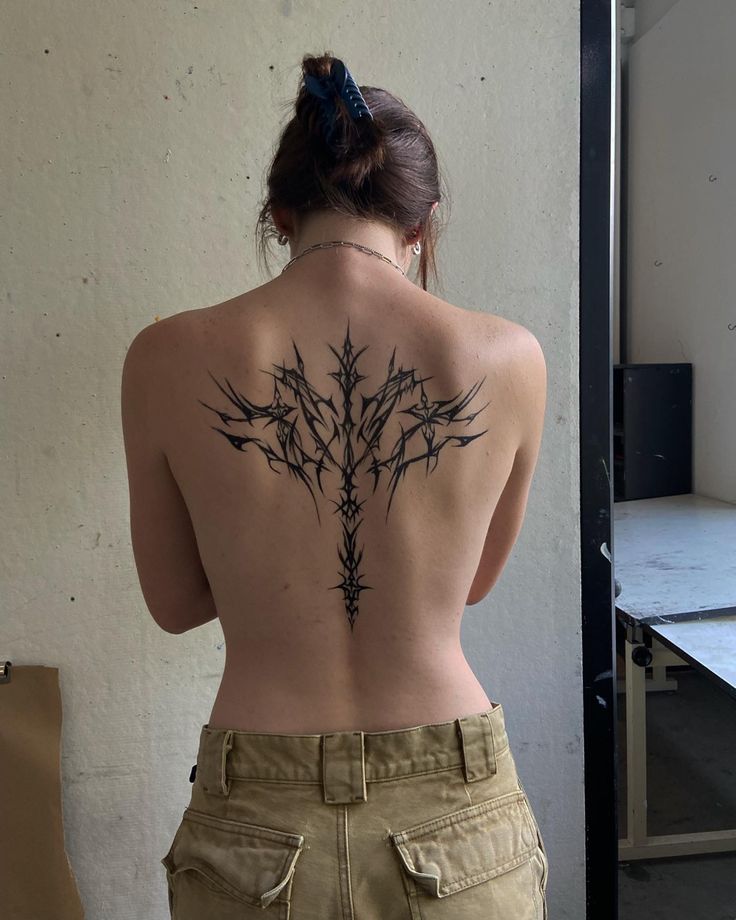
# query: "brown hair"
{"points": [[382, 168]]}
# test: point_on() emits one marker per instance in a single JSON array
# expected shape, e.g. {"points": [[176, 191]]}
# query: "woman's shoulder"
{"points": [[489, 326]]}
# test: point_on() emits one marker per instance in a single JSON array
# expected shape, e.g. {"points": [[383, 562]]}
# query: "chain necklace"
{"points": [[362, 248]]}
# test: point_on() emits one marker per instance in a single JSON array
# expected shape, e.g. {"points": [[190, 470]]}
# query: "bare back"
{"points": [[341, 455]]}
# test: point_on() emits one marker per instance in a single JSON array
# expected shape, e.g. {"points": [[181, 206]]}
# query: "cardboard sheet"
{"points": [[36, 879]]}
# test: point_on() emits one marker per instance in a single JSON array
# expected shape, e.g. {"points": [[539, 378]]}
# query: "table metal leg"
{"points": [[637, 844], [636, 746]]}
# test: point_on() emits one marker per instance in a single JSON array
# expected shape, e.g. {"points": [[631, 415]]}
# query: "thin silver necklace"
{"points": [[362, 248]]}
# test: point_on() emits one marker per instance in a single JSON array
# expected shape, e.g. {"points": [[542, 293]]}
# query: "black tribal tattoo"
{"points": [[344, 445]]}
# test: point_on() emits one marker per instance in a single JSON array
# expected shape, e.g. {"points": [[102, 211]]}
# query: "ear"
{"points": [[283, 221]]}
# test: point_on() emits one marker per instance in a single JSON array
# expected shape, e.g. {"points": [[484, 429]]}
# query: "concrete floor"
{"points": [[691, 776]]}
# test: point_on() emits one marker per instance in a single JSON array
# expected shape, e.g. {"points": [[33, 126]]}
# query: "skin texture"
{"points": [[334, 463]]}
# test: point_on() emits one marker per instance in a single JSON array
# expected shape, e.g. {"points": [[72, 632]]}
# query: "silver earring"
{"points": [[283, 240], [416, 248]]}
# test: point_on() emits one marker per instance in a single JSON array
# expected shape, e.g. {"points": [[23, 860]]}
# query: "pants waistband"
{"points": [[345, 762]]}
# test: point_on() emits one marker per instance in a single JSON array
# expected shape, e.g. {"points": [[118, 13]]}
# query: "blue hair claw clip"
{"points": [[340, 83]]}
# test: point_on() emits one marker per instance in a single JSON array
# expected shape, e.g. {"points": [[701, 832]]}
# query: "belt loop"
{"points": [[211, 766], [477, 745], [343, 767], [227, 745]]}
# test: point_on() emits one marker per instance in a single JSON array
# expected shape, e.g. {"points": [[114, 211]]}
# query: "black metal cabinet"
{"points": [[652, 430]]}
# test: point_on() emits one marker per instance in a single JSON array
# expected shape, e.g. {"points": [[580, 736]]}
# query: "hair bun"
{"points": [[346, 141]]}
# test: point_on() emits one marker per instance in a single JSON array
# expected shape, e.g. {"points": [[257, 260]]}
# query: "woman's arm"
{"points": [[170, 570]]}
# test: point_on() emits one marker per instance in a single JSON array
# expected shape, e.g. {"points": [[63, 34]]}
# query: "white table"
{"points": [[675, 558], [709, 644]]}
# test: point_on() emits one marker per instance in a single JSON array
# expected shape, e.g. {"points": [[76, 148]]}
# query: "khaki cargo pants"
{"points": [[423, 823]]}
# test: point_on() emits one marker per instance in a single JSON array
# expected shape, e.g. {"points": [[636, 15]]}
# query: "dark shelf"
{"points": [[652, 429]]}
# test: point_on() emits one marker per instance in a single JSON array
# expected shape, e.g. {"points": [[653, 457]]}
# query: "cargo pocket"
{"points": [[218, 867], [478, 861]]}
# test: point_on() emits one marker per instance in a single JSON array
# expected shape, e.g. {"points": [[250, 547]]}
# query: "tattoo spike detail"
{"points": [[356, 445]]}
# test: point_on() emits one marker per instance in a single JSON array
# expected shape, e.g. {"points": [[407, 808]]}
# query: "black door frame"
{"points": [[597, 20]]}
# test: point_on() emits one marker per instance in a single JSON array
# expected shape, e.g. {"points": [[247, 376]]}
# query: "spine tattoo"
{"points": [[343, 444]]}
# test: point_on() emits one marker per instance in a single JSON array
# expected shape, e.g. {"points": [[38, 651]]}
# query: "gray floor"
{"points": [[691, 775]]}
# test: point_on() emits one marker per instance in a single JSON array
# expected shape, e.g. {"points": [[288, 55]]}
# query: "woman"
{"points": [[335, 464]]}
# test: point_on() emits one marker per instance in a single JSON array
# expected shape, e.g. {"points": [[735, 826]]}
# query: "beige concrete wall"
{"points": [[134, 144]]}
